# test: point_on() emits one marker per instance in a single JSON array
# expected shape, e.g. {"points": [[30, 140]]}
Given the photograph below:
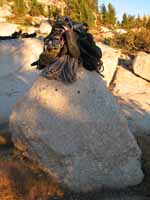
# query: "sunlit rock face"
{"points": [[133, 95], [110, 58], [141, 65], [126, 82], [76, 134], [136, 108], [16, 73]]}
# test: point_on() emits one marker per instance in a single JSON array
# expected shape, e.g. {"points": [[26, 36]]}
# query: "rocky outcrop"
{"points": [[31, 30], [136, 108], [133, 95], [7, 29], [110, 61], [120, 31], [126, 82], [106, 32], [141, 65], [16, 73], [77, 134]]}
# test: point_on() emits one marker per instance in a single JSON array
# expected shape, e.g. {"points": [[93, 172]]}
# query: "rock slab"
{"points": [[136, 109], [141, 65], [126, 82], [133, 95], [110, 61], [77, 134]]}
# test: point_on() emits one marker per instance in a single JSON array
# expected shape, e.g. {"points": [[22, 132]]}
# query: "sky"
{"points": [[133, 7]]}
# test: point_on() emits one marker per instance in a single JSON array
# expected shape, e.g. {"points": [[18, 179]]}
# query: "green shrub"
{"points": [[1, 2], [132, 41], [37, 9]]}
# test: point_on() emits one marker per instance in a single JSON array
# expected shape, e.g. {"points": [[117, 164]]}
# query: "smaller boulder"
{"points": [[45, 27], [120, 31], [133, 95], [31, 30], [136, 109], [126, 82], [141, 65]]}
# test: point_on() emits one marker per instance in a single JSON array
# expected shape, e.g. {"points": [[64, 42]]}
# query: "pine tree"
{"points": [[1, 2], [87, 11], [138, 22], [104, 14], [19, 8], [124, 20], [111, 15], [82, 10], [36, 8], [144, 21], [131, 21], [148, 23], [73, 10]]}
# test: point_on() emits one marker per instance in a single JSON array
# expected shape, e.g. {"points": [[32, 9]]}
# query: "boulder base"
{"points": [[76, 134]]}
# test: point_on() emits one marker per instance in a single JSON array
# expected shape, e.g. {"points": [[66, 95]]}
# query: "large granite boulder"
{"points": [[75, 133], [16, 73], [110, 61], [141, 65]]}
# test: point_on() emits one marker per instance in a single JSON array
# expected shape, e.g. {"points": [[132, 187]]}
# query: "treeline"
{"points": [[31, 7], [130, 21], [109, 18], [108, 15], [82, 10], [79, 10], [137, 35]]}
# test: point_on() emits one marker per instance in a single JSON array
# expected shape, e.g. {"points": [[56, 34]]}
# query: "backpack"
{"points": [[90, 53]]}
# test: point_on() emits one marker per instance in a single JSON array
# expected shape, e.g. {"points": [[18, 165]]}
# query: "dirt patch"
{"points": [[144, 143], [5, 135], [21, 180]]}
